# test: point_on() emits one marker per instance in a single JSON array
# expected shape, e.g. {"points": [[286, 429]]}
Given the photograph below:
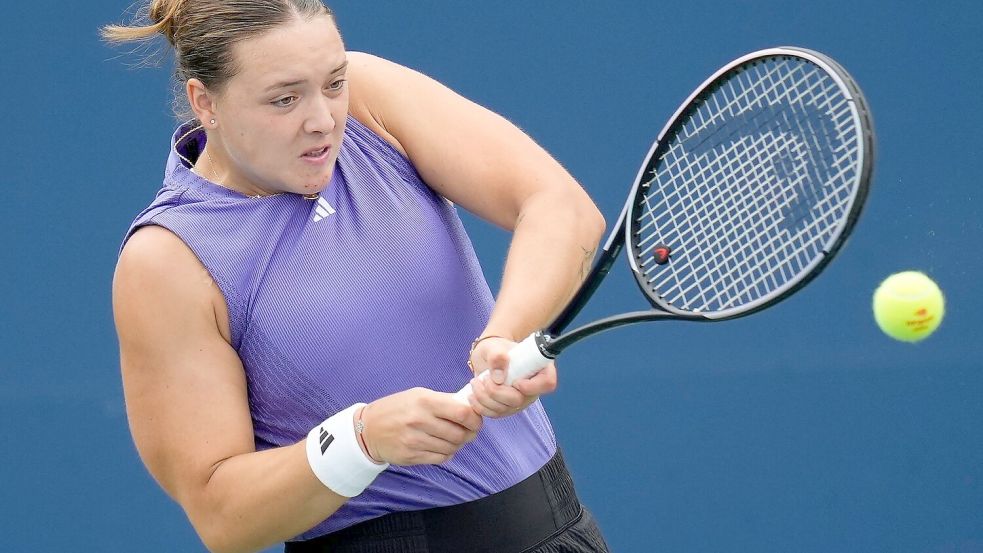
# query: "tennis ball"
{"points": [[908, 306]]}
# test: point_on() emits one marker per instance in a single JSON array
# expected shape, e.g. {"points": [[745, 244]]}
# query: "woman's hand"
{"points": [[491, 397], [417, 427]]}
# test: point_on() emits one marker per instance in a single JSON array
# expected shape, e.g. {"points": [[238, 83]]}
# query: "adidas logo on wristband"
{"points": [[325, 440], [337, 459]]}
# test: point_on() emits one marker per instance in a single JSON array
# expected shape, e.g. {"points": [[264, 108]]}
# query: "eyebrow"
{"points": [[287, 84]]}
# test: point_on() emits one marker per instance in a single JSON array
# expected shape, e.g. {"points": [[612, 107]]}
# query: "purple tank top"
{"points": [[370, 290]]}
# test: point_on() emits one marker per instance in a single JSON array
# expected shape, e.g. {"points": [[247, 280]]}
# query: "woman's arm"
{"points": [[485, 164], [188, 411]]}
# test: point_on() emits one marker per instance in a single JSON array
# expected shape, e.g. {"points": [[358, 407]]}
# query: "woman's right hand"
{"points": [[417, 427]]}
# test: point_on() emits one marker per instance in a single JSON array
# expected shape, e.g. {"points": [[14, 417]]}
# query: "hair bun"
{"points": [[164, 14]]}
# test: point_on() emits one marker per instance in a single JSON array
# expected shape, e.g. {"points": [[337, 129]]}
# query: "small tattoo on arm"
{"points": [[586, 263]]}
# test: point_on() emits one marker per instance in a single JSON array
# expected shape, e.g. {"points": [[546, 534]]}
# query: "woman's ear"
{"points": [[202, 102]]}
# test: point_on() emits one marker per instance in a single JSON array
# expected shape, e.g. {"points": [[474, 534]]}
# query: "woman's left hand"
{"points": [[491, 397]]}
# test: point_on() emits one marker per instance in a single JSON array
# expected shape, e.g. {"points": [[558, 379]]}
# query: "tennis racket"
{"points": [[746, 195]]}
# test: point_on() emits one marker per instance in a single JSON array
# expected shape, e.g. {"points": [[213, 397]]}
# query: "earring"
{"points": [[212, 121]]}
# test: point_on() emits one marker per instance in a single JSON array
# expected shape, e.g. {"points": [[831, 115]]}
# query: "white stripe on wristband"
{"points": [[336, 458]]}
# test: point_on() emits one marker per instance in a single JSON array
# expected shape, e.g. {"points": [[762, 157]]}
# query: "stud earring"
{"points": [[212, 121]]}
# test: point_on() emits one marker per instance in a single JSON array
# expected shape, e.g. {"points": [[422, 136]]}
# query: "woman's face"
{"points": [[281, 118]]}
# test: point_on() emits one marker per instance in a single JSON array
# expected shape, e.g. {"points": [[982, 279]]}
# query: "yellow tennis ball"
{"points": [[908, 306]]}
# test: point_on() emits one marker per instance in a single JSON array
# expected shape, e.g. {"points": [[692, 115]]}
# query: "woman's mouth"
{"points": [[317, 155]]}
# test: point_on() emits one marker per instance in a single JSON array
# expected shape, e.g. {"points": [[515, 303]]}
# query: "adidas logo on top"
{"points": [[322, 209]]}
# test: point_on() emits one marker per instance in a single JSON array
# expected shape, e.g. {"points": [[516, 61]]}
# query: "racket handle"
{"points": [[525, 360]]}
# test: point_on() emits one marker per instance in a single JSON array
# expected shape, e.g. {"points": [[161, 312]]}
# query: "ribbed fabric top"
{"points": [[370, 290]]}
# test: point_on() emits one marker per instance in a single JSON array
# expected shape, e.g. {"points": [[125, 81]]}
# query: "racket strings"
{"points": [[730, 214], [732, 223], [682, 162], [725, 284], [750, 188], [763, 247]]}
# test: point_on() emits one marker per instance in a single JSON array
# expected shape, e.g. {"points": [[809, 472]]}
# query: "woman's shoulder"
{"points": [[370, 81], [154, 253], [154, 244], [158, 274], [155, 262]]}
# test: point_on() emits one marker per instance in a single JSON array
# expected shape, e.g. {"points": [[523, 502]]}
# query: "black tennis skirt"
{"points": [[541, 514]]}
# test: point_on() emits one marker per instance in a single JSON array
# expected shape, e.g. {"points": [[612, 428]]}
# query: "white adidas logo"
{"points": [[322, 210]]}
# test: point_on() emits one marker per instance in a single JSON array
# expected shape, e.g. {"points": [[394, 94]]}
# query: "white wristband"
{"points": [[336, 458]]}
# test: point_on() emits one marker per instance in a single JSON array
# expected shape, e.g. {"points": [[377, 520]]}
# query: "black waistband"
{"points": [[514, 520]]}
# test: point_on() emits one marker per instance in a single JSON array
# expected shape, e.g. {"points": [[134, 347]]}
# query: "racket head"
{"points": [[752, 187]]}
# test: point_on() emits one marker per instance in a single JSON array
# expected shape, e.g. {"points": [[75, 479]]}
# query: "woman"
{"points": [[303, 260]]}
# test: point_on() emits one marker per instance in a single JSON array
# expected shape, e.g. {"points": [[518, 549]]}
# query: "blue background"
{"points": [[799, 429]]}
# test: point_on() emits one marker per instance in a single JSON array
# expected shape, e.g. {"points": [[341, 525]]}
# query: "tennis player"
{"points": [[299, 302]]}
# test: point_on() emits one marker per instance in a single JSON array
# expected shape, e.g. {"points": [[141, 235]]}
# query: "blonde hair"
{"points": [[204, 32]]}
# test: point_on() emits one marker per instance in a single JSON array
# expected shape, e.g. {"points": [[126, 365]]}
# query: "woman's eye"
{"points": [[338, 85], [285, 101]]}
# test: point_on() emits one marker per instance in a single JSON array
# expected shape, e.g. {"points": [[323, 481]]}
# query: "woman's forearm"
{"points": [[254, 500], [553, 245]]}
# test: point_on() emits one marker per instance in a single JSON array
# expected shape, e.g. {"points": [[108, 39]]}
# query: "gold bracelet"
{"points": [[477, 341]]}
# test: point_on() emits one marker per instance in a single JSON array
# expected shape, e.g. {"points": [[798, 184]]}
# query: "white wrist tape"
{"points": [[336, 458]]}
